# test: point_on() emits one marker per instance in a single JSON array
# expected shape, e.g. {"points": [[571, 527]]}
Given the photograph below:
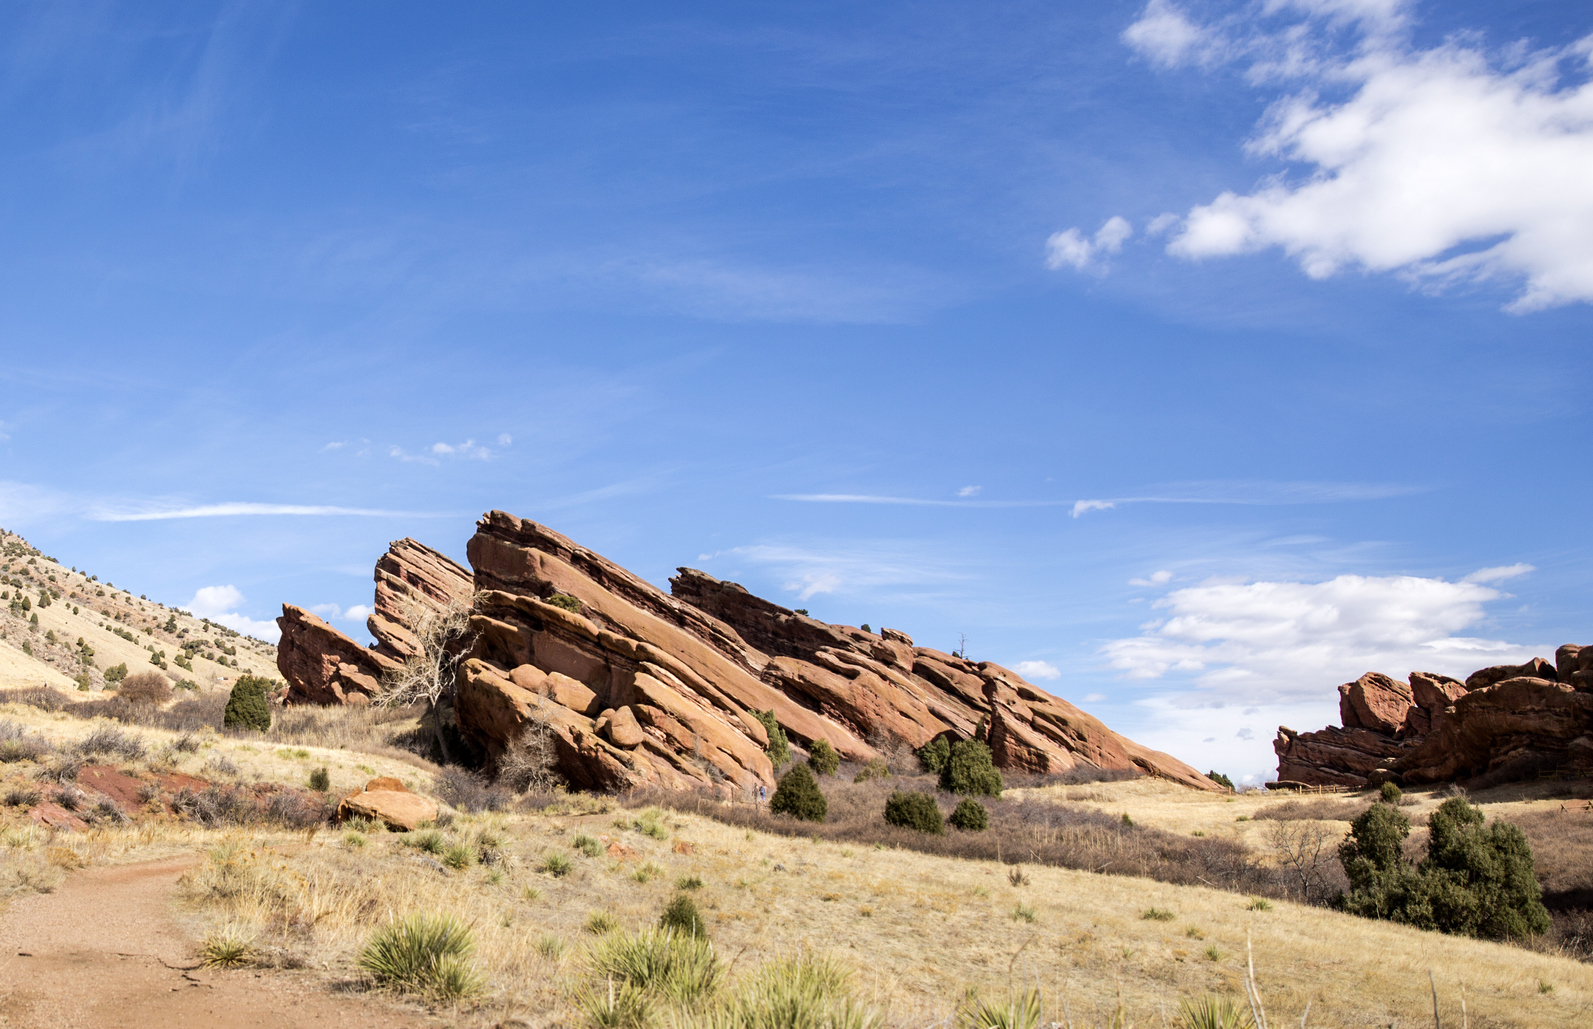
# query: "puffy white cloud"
{"points": [[357, 613], [1444, 165], [1166, 36], [969, 491], [1094, 698], [336, 612], [1034, 671], [1293, 641], [220, 604], [1072, 249]]}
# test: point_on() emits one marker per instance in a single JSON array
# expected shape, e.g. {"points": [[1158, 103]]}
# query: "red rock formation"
{"points": [[1506, 721], [662, 689], [411, 571], [1375, 702], [323, 666]]}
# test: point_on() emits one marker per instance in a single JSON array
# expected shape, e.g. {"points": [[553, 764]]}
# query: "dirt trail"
{"points": [[104, 952]]}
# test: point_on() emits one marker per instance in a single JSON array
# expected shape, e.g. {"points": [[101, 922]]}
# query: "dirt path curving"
{"points": [[104, 952]]}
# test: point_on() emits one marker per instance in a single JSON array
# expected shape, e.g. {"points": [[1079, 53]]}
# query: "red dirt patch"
{"points": [[55, 816]]}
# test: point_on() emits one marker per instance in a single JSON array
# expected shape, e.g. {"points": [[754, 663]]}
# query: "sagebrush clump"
{"points": [[146, 688], [682, 916], [798, 795], [916, 811]]}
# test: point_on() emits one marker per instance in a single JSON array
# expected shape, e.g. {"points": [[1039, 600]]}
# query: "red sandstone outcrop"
{"points": [[323, 666], [639, 686], [411, 571], [1507, 721]]}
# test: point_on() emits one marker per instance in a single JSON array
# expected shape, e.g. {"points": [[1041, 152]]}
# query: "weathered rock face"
{"points": [[323, 666], [1506, 721], [639, 686], [410, 572]]}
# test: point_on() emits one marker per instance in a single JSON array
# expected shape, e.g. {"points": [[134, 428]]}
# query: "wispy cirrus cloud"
{"points": [[852, 566], [1203, 492], [241, 509]]}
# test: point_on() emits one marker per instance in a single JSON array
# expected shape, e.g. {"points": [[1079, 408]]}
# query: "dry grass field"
{"points": [[921, 933]]}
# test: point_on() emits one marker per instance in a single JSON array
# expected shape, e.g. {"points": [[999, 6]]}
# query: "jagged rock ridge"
{"points": [[1507, 721], [640, 686]]}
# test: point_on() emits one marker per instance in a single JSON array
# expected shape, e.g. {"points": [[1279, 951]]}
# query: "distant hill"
{"points": [[63, 627]]}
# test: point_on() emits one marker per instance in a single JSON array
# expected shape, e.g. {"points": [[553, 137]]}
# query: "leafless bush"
{"points": [[1033, 832], [1308, 853], [530, 763], [237, 805], [22, 796], [145, 688], [42, 697], [63, 769], [108, 741], [17, 744], [187, 743], [469, 791], [219, 764]]}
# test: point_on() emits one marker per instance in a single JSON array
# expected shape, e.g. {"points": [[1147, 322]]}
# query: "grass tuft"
{"points": [[226, 948], [423, 953]]}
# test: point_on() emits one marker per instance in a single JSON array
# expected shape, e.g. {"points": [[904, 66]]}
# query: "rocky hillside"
{"points": [[1505, 722], [63, 627], [637, 686]]}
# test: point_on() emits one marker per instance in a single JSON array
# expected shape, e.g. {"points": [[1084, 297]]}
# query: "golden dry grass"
{"points": [[920, 930]]}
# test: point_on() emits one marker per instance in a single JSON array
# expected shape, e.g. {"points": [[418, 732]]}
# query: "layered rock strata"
{"points": [[1506, 721], [638, 686], [324, 666]]}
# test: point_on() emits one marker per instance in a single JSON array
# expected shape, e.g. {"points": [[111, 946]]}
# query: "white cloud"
{"points": [[504, 439], [969, 491], [1500, 573], [1071, 249], [1034, 671], [220, 604], [1167, 37], [336, 613], [1268, 641], [1154, 579], [1081, 506], [469, 450], [1445, 165], [229, 510], [357, 613], [335, 445], [1094, 698]]}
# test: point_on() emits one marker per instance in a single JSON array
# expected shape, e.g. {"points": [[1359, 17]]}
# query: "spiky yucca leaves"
{"points": [[1214, 1012], [423, 953], [1019, 1011], [674, 966]]}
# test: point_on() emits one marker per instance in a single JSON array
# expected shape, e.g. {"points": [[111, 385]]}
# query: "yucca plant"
{"points": [[803, 992], [1214, 1012], [678, 967], [226, 948], [423, 953], [1021, 1011]]}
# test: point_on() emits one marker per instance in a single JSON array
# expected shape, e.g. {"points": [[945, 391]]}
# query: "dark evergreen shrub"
{"points": [[823, 759], [115, 674], [247, 707], [916, 811], [779, 748], [1476, 880], [683, 917], [567, 603], [1220, 779], [970, 816], [1390, 793], [320, 780], [969, 771], [798, 795], [934, 755]]}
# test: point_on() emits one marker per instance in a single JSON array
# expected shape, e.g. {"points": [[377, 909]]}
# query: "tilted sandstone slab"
{"points": [[390, 802], [883, 687], [1333, 756], [322, 665], [411, 572], [1537, 668], [1375, 702]]}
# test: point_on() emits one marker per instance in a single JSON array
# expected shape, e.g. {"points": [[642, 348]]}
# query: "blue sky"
{"points": [[1193, 357]]}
